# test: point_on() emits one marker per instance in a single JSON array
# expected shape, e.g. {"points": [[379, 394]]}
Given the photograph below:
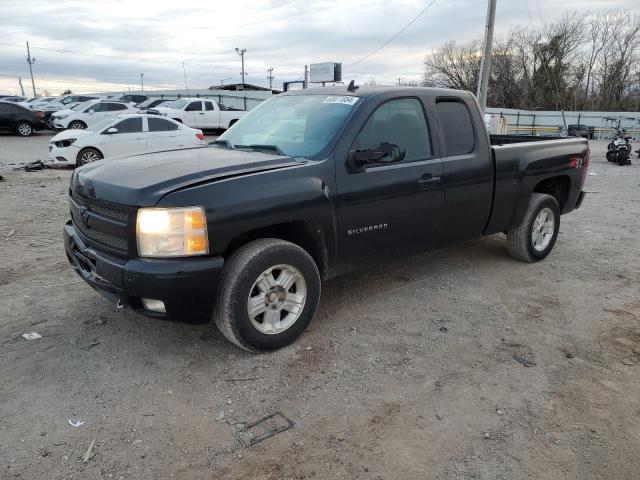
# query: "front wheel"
{"points": [[536, 235], [24, 129], [270, 290], [77, 125], [88, 155]]}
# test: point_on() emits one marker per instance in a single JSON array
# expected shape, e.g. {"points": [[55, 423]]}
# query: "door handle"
{"points": [[201, 113], [428, 181]]}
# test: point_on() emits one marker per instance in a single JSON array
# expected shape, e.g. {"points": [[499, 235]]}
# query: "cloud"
{"points": [[114, 41]]}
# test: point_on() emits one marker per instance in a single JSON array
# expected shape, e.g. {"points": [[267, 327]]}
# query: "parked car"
{"points": [[154, 102], [61, 103], [22, 120], [124, 135], [580, 130], [14, 98], [88, 113], [134, 98], [309, 185], [200, 113]]}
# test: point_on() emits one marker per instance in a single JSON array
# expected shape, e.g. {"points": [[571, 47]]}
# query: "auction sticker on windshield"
{"points": [[343, 99]]}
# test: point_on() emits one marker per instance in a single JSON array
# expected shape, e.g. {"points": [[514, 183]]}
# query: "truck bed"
{"points": [[521, 163]]}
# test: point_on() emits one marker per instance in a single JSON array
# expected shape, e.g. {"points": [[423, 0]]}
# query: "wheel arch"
{"points": [[302, 233], [558, 187]]}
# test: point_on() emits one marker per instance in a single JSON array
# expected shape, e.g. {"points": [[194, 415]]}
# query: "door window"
{"points": [[208, 105], [457, 127], [130, 125], [194, 107], [115, 107], [98, 107], [401, 122], [161, 125]]}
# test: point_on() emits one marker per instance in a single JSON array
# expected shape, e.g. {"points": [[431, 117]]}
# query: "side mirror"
{"points": [[383, 153], [91, 112], [112, 130]]}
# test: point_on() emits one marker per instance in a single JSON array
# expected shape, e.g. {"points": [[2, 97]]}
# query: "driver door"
{"points": [[388, 210], [194, 115]]}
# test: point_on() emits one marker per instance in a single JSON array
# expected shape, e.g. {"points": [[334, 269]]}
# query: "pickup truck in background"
{"points": [[201, 113], [311, 184]]}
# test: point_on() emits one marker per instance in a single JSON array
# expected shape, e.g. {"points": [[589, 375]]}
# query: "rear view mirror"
{"points": [[383, 153]]}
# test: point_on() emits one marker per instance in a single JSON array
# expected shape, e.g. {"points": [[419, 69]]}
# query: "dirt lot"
{"points": [[407, 372]]}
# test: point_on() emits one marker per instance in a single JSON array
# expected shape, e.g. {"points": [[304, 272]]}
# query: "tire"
{"points": [[239, 285], [520, 240], [622, 158], [610, 156], [78, 125], [50, 124], [88, 155], [24, 128]]}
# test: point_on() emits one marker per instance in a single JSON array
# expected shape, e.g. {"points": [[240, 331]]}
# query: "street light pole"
{"points": [[31, 61], [241, 52], [142, 81], [270, 77], [485, 63]]}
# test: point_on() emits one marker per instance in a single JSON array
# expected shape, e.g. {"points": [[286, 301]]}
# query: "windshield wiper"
{"points": [[226, 143], [256, 146]]}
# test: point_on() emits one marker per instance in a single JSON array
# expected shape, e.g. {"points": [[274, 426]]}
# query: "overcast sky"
{"points": [[105, 45]]}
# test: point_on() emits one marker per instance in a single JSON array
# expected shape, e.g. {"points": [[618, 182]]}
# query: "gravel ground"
{"points": [[408, 371]]}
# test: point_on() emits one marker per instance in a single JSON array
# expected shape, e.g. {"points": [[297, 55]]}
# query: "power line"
{"points": [[394, 36]]}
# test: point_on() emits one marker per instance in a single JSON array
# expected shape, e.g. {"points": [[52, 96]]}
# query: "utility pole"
{"points": [[142, 81], [31, 61], [485, 63], [241, 52], [270, 77], [306, 76]]}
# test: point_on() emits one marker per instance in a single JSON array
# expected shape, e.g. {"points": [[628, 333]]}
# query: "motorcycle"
{"points": [[619, 149]]}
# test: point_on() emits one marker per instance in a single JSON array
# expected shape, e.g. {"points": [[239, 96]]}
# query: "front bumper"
{"points": [[580, 199], [62, 156], [187, 286]]}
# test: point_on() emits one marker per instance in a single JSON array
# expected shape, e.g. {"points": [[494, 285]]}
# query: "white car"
{"points": [[121, 136], [86, 114], [201, 113]]}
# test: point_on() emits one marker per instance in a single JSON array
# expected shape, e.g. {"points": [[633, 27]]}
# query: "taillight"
{"points": [[200, 135]]}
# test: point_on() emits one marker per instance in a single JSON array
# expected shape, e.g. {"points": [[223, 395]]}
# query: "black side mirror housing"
{"points": [[383, 153]]}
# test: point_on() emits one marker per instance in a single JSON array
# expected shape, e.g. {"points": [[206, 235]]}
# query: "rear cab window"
{"points": [[457, 127]]}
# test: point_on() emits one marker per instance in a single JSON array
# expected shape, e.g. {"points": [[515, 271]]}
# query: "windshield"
{"points": [[296, 125], [178, 104], [80, 106]]}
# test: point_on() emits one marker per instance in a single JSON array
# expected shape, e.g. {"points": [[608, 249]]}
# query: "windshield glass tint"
{"points": [[176, 103], [299, 125]]}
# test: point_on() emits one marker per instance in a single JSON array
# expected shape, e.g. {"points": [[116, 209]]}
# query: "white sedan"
{"points": [[88, 113], [121, 136]]}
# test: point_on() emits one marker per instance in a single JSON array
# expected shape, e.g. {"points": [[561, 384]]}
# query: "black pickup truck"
{"points": [[309, 185]]}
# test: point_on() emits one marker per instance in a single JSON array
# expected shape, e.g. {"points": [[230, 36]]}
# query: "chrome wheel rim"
{"points": [[543, 228], [88, 157], [277, 299], [50, 122], [76, 126], [24, 129]]}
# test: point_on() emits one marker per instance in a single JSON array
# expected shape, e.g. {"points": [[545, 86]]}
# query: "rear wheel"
{"points": [[24, 129], [77, 124], [270, 290], [88, 155], [535, 237]]}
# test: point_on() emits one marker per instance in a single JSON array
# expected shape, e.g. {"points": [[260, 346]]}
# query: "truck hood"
{"points": [[142, 180]]}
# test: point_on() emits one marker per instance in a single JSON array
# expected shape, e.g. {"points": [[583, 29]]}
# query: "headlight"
{"points": [[172, 232], [60, 117], [65, 143]]}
